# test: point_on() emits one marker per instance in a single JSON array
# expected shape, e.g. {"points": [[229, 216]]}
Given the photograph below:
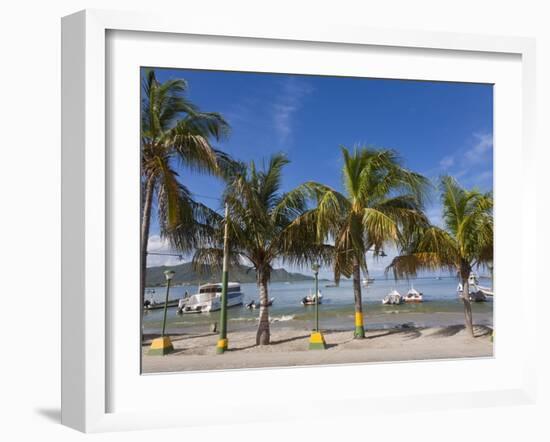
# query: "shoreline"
{"points": [[289, 348], [289, 320]]}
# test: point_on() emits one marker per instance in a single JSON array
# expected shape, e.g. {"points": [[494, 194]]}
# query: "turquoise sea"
{"points": [[441, 307]]}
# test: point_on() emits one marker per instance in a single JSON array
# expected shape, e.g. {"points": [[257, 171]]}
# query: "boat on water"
{"points": [[310, 299], [151, 304], [367, 281], [393, 298], [253, 304], [209, 297], [413, 296], [477, 293]]}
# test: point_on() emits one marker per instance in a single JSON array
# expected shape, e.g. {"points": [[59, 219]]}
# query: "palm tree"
{"points": [[465, 243], [261, 231], [175, 133], [381, 198]]}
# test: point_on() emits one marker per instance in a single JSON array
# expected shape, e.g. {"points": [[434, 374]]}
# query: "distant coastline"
{"points": [[186, 274]]}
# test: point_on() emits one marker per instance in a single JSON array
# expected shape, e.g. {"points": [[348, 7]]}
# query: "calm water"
{"points": [[441, 307]]}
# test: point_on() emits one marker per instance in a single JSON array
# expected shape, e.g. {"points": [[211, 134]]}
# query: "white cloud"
{"points": [[447, 162], [158, 245], [472, 166], [481, 150], [290, 99]]}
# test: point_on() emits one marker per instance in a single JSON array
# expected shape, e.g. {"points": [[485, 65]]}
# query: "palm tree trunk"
{"points": [[145, 225], [263, 334], [359, 328], [465, 275]]}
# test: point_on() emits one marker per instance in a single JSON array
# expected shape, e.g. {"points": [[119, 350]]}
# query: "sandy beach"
{"points": [[289, 347]]}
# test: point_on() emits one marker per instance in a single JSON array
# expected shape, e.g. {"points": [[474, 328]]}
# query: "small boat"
{"points": [[209, 298], [253, 304], [394, 298], [151, 304], [476, 292], [367, 281], [413, 296], [310, 299]]}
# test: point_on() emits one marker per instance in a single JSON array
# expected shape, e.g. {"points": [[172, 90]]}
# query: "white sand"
{"points": [[290, 348]]}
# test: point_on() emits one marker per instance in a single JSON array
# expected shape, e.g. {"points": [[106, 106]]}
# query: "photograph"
{"points": [[304, 220]]}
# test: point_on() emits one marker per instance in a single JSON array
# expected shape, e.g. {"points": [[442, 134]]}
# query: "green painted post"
{"points": [[165, 308], [222, 341], [316, 340]]}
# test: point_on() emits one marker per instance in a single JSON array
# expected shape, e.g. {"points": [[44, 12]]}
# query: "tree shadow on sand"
{"points": [[451, 330], [273, 342], [408, 333]]}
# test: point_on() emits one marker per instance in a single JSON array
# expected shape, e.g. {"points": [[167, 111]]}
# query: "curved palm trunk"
{"points": [[145, 225], [465, 275], [359, 328], [263, 334]]}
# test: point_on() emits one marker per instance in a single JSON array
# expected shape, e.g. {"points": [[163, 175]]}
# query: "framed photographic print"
{"points": [[290, 207]]}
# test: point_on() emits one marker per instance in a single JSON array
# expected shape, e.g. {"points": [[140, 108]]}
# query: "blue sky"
{"points": [[437, 127]]}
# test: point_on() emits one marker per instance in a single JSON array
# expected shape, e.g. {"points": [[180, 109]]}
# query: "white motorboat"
{"points": [[477, 293], [393, 297], [413, 296], [310, 299], [367, 281], [209, 298]]}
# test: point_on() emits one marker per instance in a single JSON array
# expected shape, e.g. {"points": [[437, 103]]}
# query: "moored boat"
{"points": [[253, 304], [310, 299], [394, 298], [413, 296], [208, 299], [151, 304]]}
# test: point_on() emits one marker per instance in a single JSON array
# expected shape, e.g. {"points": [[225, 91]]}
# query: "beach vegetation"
{"points": [[176, 134], [462, 245], [382, 199], [262, 232]]}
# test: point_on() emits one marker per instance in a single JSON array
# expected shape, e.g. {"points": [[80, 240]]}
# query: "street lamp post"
{"points": [[163, 344], [221, 346], [317, 340], [315, 268]]}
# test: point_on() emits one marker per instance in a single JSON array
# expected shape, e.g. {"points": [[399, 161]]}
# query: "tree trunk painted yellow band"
{"points": [[358, 318], [222, 343]]}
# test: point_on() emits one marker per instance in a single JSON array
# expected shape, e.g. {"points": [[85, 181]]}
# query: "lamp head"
{"points": [[315, 267], [169, 274]]}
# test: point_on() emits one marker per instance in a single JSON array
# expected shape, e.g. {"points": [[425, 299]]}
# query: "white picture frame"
{"points": [[87, 205]]}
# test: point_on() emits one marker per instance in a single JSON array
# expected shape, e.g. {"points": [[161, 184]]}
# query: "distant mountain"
{"points": [[186, 274]]}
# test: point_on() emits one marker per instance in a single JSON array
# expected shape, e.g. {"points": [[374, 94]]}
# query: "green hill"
{"points": [[186, 274]]}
